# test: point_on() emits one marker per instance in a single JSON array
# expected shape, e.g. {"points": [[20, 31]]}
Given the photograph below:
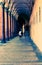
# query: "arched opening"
{"points": [[23, 19]]}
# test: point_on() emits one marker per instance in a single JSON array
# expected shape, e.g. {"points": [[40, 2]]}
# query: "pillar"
{"points": [[10, 24], [7, 24], [13, 26], [1, 21], [3, 18]]}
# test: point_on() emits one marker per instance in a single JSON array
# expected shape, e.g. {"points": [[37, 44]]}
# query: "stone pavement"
{"points": [[20, 51]]}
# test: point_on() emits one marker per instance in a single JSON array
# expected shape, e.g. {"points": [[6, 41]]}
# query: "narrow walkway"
{"points": [[20, 51]]}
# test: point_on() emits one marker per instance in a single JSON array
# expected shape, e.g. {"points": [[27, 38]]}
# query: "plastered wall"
{"points": [[36, 24], [0, 22]]}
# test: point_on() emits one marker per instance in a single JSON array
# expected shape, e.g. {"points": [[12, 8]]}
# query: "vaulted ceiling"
{"points": [[21, 6], [24, 6]]}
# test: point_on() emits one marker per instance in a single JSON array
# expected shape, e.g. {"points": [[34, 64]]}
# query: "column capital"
{"points": [[2, 4], [6, 9], [9, 11]]}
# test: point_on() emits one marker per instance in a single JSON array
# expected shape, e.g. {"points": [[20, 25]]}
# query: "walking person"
{"points": [[20, 34]]}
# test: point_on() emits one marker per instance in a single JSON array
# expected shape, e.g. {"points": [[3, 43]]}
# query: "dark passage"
{"points": [[24, 10], [23, 19]]}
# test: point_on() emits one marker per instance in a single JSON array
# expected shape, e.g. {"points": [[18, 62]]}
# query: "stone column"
{"points": [[7, 25], [4, 40], [10, 24], [1, 21]]}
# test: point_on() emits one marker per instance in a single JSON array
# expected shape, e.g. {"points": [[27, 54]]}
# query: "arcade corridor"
{"points": [[24, 16]]}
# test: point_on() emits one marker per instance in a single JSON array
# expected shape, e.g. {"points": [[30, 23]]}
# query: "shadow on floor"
{"points": [[27, 40]]}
